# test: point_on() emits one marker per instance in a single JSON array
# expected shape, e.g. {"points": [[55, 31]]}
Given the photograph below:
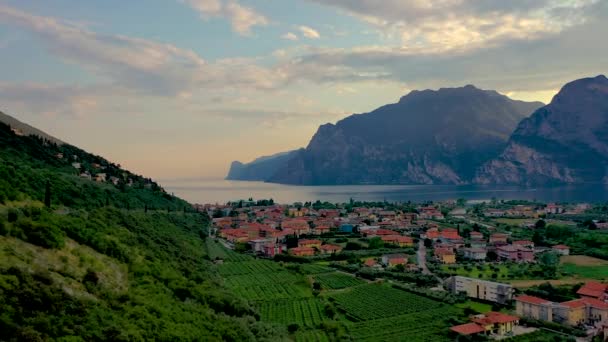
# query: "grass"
{"points": [[304, 312], [513, 221], [592, 272], [582, 260], [477, 306]]}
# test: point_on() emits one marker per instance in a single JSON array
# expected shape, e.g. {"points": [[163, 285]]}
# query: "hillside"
{"points": [[428, 137], [25, 129], [261, 169], [114, 259], [563, 142]]}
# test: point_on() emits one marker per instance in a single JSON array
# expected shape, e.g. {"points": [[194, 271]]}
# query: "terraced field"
{"points": [[304, 312], [375, 301], [337, 280]]}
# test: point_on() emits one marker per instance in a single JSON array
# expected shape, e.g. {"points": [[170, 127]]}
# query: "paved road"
{"points": [[422, 257]]}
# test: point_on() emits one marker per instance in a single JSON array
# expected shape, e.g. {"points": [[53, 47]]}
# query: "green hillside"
{"points": [[116, 259]]}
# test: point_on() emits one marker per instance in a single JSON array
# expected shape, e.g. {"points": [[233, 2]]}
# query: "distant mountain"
{"points": [[26, 129], [261, 169], [563, 142], [428, 137]]}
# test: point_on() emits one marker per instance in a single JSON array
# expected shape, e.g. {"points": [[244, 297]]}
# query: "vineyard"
{"points": [[336, 280], [311, 336], [217, 251], [304, 312], [376, 301], [249, 267], [315, 269], [427, 325]]}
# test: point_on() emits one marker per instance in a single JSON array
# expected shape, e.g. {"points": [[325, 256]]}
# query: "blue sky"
{"points": [[180, 88]]}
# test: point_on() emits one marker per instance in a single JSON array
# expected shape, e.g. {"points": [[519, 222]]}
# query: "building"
{"points": [[309, 243], [391, 260], [476, 235], [494, 323], [584, 310], [481, 289], [474, 253], [594, 290], [302, 251], [498, 238], [524, 243], [330, 249], [100, 177], [398, 240], [561, 249], [534, 307], [515, 253], [272, 249], [445, 255]]}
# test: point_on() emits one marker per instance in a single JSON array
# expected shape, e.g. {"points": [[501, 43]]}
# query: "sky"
{"points": [[180, 88]]}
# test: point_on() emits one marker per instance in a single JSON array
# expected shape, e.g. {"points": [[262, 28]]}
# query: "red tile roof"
{"points": [[331, 248], [468, 329], [560, 247], [593, 289], [495, 318], [573, 304], [531, 299], [596, 303]]}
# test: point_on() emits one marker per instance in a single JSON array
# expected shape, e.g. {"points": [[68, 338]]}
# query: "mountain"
{"points": [[428, 137], [90, 258], [26, 129], [261, 169], [563, 142]]}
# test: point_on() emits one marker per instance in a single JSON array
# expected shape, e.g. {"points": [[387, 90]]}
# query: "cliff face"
{"points": [[260, 169], [563, 142], [428, 137]]}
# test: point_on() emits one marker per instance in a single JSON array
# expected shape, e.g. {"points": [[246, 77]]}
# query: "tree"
{"points": [[352, 246], [47, 194], [540, 224], [428, 243], [375, 243]]}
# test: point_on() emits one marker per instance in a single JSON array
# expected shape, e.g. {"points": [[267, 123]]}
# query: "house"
{"points": [[258, 245], [515, 253], [524, 243], [398, 240], [445, 255], [474, 253], [561, 249], [76, 165], [346, 228], [495, 323], [100, 177], [371, 263], [330, 249], [498, 238], [494, 213], [476, 235], [430, 213], [321, 229], [594, 290], [391, 260], [431, 233], [553, 208], [272, 249], [302, 251], [298, 226], [480, 289], [534, 307], [309, 243]]}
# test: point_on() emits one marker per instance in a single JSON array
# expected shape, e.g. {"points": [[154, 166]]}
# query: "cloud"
{"points": [[242, 18], [444, 25], [290, 36], [309, 32]]}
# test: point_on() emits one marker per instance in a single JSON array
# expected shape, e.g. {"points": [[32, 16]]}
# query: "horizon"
{"points": [[208, 82]]}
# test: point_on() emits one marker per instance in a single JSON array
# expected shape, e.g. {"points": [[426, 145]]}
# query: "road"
{"points": [[422, 264], [422, 257]]}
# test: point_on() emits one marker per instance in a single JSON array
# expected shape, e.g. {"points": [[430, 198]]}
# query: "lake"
{"points": [[221, 191]]}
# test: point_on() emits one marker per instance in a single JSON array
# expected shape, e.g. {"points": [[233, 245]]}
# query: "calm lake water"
{"points": [[221, 191]]}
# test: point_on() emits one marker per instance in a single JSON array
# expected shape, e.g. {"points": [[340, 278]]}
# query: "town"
{"points": [[517, 268]]}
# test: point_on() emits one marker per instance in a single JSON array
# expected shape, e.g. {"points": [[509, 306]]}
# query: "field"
{"points": [[217, 251], [311, 336], [428, 325], [374, 301], [315, 269], [336, 280], [581, 266], [477, 306], [304, 312]]}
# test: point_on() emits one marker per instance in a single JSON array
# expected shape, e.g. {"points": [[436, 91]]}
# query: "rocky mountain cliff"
{"points": [[261, 169], [563, 142], [428, 137]]}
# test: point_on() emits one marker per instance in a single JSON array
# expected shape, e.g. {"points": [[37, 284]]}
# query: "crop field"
{"points": [[311, 336], [582, 260], [376, 301], [591, 272], [249, 267], [336, 280], [315, 269], [272, 285], [304, 312], [429, 325], [216, 250]]}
